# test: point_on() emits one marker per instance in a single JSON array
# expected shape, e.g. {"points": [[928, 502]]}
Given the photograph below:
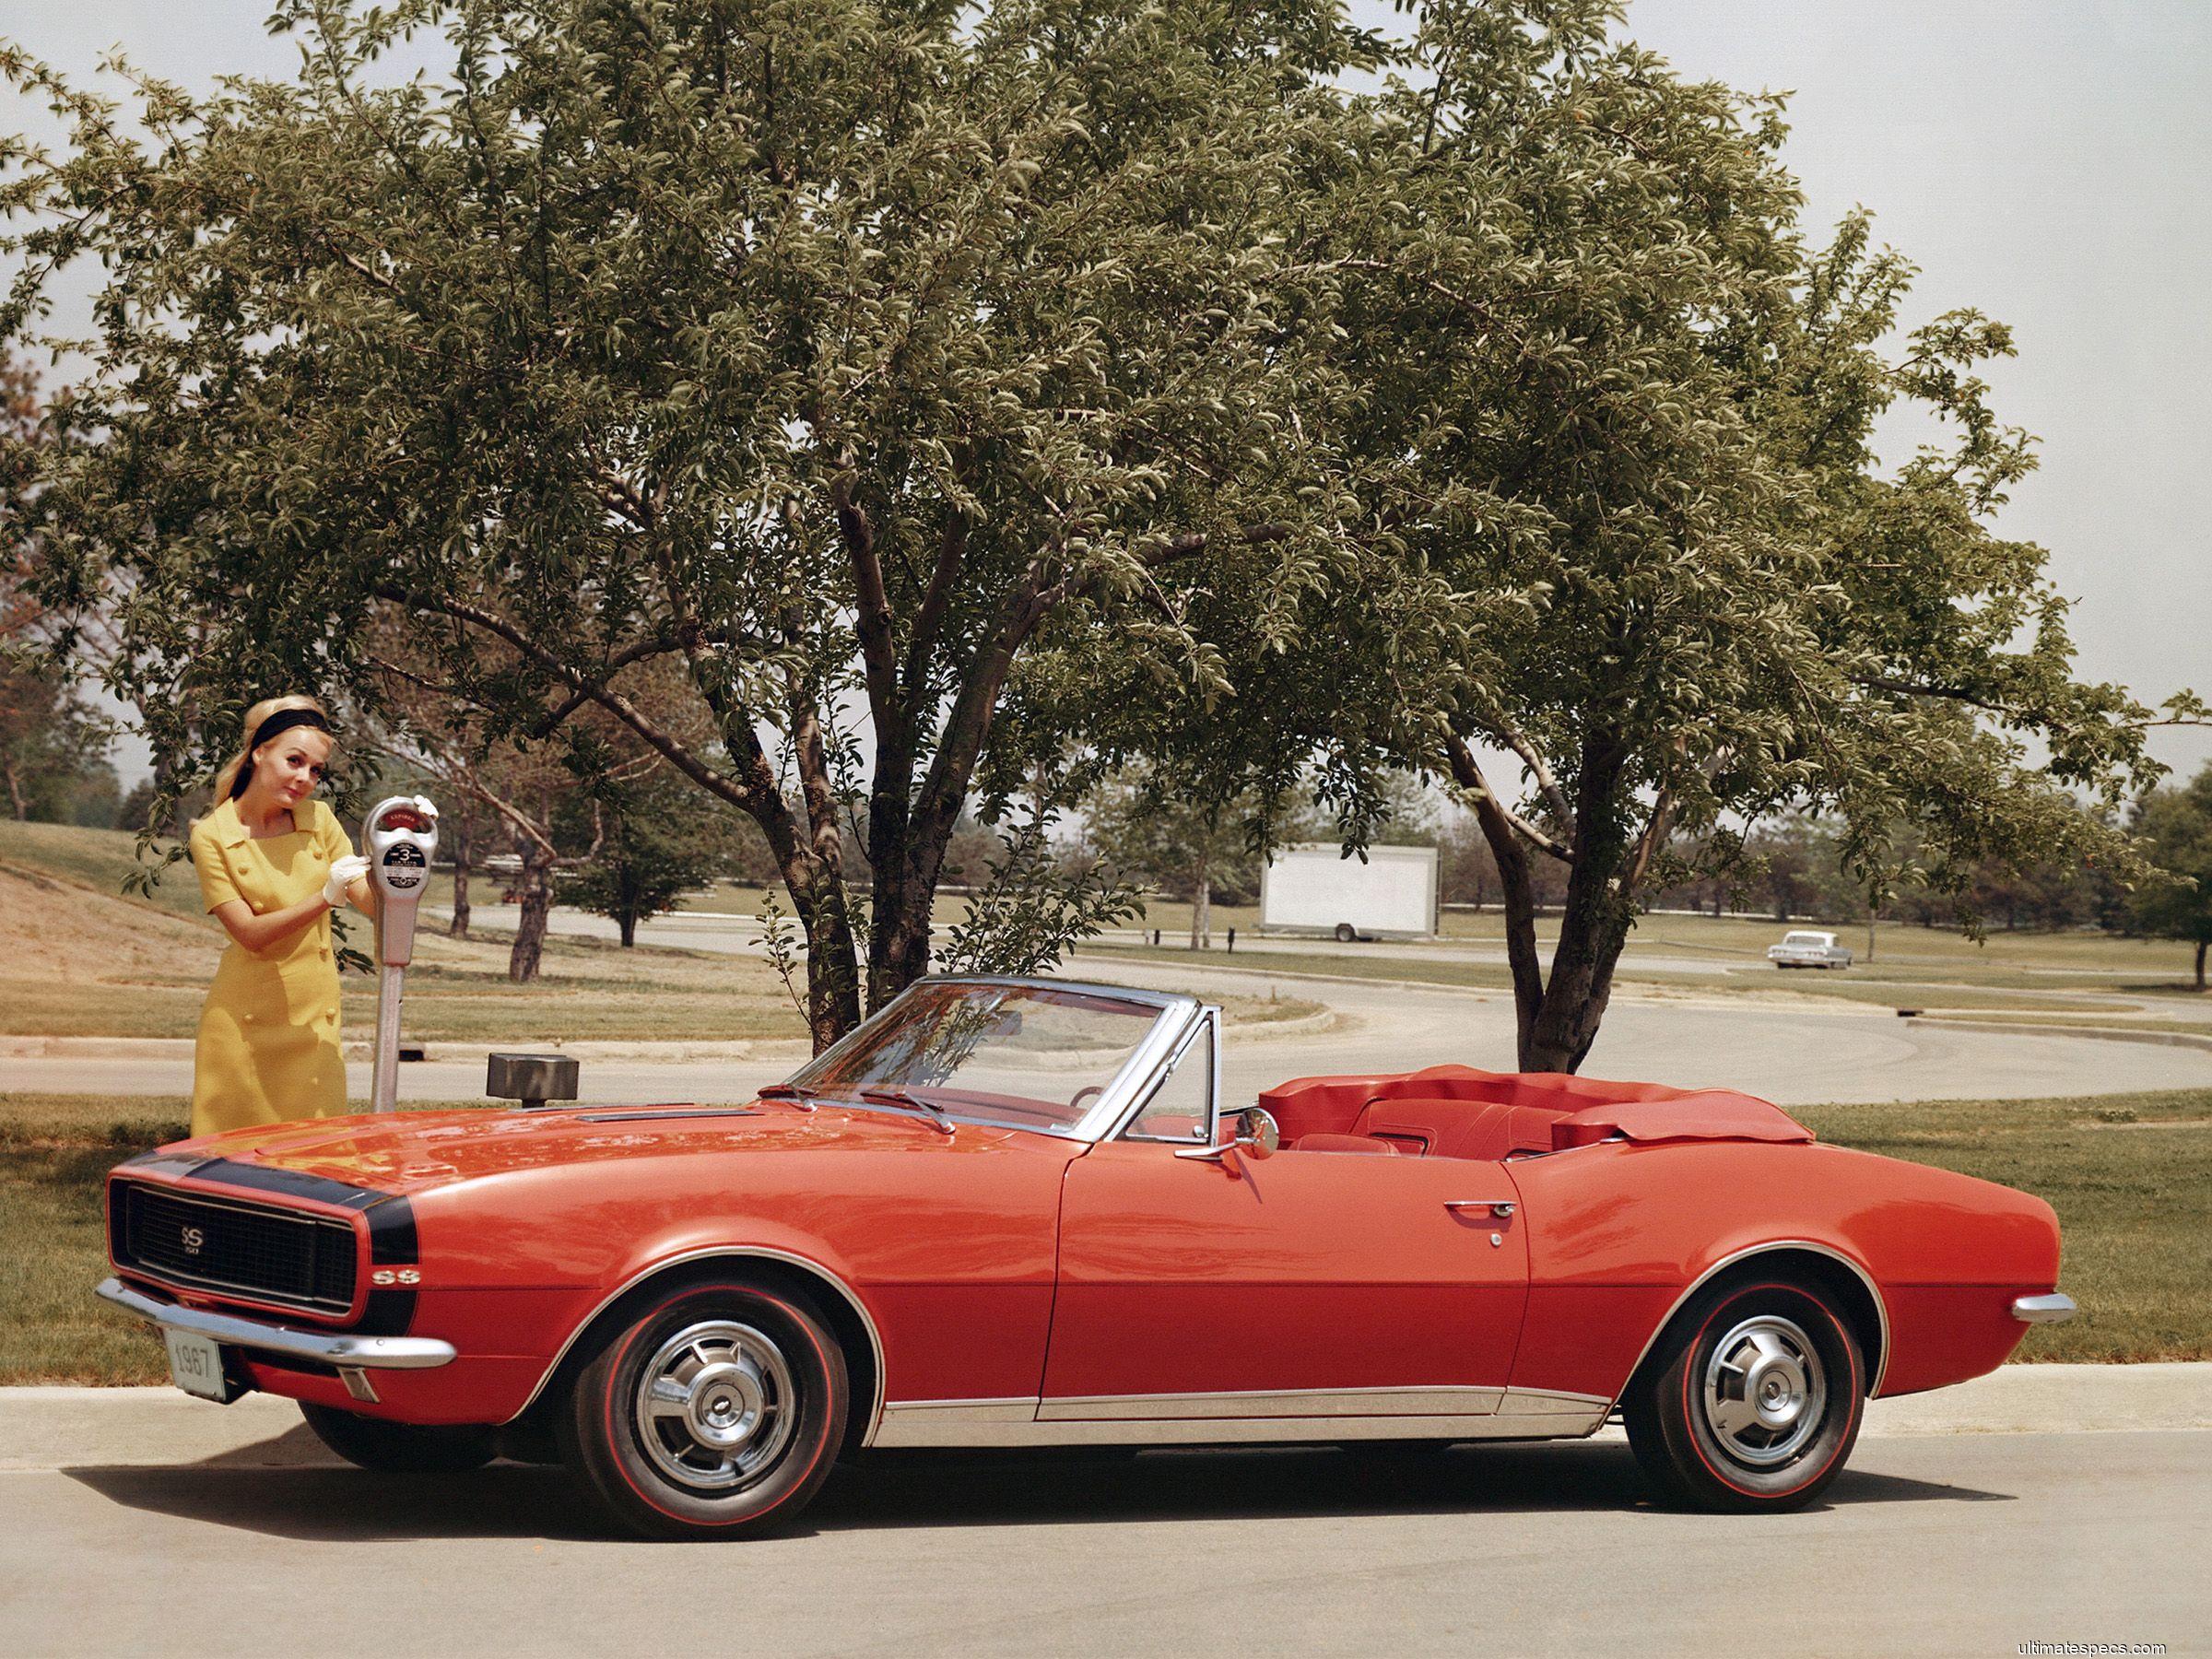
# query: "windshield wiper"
{"points": [[799, 1094], [891, 1095]]}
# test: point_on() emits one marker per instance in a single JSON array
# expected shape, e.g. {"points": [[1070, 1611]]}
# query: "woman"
{"points": [[272, 865]]}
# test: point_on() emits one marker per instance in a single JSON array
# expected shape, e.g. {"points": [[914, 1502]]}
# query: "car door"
{"points": [[1305, 1284]]}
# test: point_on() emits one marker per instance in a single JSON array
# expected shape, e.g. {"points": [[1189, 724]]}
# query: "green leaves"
{"points": [[860, 407]]}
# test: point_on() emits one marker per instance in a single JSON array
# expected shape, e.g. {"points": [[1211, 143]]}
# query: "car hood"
{"points": [[407, 1152]]}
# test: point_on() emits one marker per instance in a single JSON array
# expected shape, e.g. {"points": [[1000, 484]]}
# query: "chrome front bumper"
{"points": [[328, 1347], [2042, 1310]]}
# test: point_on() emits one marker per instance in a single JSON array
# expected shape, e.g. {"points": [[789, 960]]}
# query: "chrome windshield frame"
{"points": [[1173, 1013], [1206, 1023]]}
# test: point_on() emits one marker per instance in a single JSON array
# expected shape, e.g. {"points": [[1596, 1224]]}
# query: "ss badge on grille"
{"points": [[192, 1238], [403, 1276]]}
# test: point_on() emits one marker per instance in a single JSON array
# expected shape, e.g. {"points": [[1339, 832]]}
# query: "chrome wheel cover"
{"points": [[715, 1407], [1766, 1390]]}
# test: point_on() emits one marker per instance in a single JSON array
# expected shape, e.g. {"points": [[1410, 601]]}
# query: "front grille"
{"points": [[269, 1254]]}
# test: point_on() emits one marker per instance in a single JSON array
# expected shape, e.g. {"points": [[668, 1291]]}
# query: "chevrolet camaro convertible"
{"points": [[1015, 1213]]}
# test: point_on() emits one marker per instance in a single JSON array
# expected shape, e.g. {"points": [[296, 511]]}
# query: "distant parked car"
{"points": [[1803, 949]]}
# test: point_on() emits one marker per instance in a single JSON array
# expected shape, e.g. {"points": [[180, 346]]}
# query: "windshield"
{"points": [[1025, 1056], [1806, 938]]}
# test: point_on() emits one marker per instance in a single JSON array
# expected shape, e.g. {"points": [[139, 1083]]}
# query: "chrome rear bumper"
{"points": [[2042, 1310], [328, 1347]]}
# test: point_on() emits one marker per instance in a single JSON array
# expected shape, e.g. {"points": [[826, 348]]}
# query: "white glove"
{"points": [[422, 804], [343, 875]]}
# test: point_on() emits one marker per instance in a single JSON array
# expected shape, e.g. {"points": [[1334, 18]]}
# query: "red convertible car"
{"points": [[1015, 1213]]}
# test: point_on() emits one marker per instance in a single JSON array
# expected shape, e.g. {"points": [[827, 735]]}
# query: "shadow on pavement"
{"points": [[961, 1489]]}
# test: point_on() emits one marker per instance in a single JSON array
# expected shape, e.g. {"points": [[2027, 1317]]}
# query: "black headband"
{"points": [[274, 725]]}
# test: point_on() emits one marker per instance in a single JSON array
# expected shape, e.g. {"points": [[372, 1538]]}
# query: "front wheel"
{"points": [[716, 1411], [1751, 1400], [399, 1448]]}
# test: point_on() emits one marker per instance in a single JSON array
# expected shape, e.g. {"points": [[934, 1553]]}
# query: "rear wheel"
{"points": [[716, 1411], [399, 1448], [1751, 1400]]}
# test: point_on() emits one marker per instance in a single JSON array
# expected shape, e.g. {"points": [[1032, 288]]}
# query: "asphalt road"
{"points": [[1778, 1052], [1783, 1053], [1964, 1544]]}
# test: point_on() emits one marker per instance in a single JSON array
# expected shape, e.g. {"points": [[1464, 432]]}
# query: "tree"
{"points": [[662, 841], [2176, 903], [840, 357], [1144, 825], [1635, 580]]}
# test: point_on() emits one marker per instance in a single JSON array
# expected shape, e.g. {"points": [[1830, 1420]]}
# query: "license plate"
{"points": [[195, 1364]]}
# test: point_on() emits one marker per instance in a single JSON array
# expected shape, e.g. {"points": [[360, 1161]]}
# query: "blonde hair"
{"points": [[226, 777]]}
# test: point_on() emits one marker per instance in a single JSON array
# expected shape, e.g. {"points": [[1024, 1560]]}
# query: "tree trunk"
{"points": [[2202, 945], [817, 893], [15, 793], [899, 927], [1593, 923], [628, 922], [1202, 908], [458, 926], [536, 890], [1516, 892], [1576, 998]]}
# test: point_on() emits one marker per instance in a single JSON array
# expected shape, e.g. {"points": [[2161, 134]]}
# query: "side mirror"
{"points": [[1253, 1131], [1257, 1133]]}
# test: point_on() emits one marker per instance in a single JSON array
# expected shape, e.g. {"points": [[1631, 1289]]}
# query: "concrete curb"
{"points": [[2105, 1033], [61, 1428]]}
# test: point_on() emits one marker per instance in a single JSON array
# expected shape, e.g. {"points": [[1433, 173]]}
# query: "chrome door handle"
{"points": [[1501, 1208]]}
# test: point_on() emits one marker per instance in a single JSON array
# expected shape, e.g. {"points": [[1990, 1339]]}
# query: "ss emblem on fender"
{"points": [[192, 1239], [396, 1276]]}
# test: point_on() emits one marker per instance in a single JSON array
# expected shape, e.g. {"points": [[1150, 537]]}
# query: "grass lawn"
{"points": [[97, 859], [2130, 1175], [78, 959]]}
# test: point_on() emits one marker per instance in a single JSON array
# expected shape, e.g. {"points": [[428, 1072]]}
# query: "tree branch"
{"points": [[1554, 796], [879, 653], [671, 749]]}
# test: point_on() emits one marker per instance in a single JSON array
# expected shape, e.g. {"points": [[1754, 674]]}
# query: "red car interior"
{"points": [[1458, 1111]]}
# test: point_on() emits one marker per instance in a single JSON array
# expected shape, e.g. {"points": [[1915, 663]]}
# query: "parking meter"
{"points": [[401, 840]]}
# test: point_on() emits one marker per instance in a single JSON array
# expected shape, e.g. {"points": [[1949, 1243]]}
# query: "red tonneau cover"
{"points": [[1582, 1109]]}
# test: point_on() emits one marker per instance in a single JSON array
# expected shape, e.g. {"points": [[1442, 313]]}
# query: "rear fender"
{"points": [[1621, 1235]]}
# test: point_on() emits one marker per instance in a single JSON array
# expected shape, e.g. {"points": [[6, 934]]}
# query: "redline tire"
{"points": [[399, 1448], [1752, 1401], [715, 1411]]}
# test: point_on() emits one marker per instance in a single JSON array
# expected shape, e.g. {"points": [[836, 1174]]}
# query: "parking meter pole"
{"points": [[383, 1088], [402, 839]]}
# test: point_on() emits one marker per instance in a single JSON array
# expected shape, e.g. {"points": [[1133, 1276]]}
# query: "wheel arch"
{"points": [[837, 1303], [1803, 1260]]}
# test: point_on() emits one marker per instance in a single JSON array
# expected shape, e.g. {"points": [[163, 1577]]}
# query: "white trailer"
{"points": [[1312, 888]]}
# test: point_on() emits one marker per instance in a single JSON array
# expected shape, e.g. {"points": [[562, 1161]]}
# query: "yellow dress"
{"points": [[267, 1050]]}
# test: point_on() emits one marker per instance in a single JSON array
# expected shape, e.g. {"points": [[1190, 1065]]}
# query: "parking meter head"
{"points": [[401, 840], [404, 815]]}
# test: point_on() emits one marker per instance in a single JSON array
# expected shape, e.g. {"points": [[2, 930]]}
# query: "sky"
{"points": [[2048, 163]]}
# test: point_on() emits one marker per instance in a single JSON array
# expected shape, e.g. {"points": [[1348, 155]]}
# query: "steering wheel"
{"points": [[1076, 1099]]}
